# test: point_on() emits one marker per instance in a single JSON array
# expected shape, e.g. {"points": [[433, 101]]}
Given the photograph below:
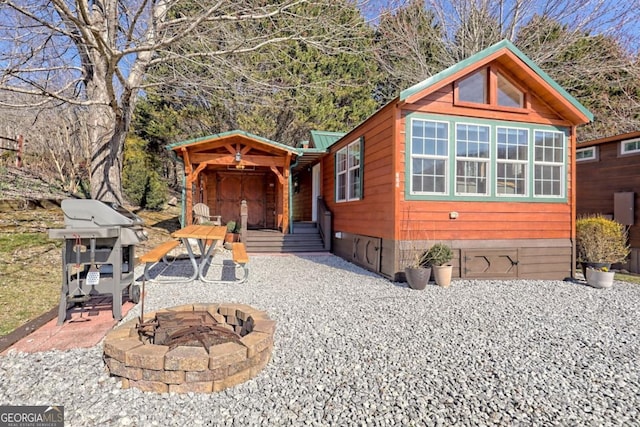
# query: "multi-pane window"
{"points": [[472, 159], [454, 157], [348, 173], [549, 158], [512, 161], [429, 154], [588, 153], [632, 146]]}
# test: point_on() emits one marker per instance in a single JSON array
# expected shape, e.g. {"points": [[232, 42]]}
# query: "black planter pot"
{"points": [[417, 278]]}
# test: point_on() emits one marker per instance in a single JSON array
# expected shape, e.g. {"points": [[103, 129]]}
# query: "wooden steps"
{"points": [[305, 238]]}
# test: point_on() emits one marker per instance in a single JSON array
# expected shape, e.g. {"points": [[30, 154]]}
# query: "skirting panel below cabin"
{"points": [[633, 263], [541, 259]]}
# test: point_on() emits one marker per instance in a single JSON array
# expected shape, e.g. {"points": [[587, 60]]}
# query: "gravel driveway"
{"points": [[353, 348]]}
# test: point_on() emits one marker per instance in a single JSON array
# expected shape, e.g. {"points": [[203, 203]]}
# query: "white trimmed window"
{"points": [[549, 158], [348, 172], [588, 153], [429, 156], [472, 159], [512, 161], [630, 146]]}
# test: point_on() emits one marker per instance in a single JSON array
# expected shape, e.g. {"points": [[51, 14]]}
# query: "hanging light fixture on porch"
{"points": [[238, 159]]}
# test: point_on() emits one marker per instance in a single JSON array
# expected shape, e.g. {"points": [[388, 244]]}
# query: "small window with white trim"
{"points": [[630, 146], [348, 172], [583, 154]]}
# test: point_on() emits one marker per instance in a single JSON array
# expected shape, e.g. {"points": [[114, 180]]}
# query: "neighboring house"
{"points": [[608, 183], [479, 156]]}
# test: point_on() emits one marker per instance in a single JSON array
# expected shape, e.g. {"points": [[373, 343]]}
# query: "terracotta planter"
{"points": [[599, 279], [230, 237], [442, 274], [417, 278]]}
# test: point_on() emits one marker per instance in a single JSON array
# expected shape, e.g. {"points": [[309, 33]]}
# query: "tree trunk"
{"points": [[108, 135]]}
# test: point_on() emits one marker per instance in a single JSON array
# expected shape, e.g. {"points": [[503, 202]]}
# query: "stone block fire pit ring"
{"points": [[204, 363]]}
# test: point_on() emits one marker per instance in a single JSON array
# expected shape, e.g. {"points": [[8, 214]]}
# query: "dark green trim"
{"points": [[504, 44], [451, 167]]}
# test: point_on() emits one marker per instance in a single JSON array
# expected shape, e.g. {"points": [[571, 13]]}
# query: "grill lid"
{"points": [[95, 213]]}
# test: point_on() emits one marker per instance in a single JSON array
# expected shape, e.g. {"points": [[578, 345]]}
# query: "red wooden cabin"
{"points": [[479, 156]]}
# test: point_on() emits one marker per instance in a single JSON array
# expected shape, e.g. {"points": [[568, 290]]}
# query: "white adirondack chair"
{"points": [[201, 215]]}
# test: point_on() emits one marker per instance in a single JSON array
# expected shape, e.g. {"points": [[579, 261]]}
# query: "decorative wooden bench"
{"points": [[240, 257], [157, 254]]}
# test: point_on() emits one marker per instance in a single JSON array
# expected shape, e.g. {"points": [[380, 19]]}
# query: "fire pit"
{"points": [[191, 348]]}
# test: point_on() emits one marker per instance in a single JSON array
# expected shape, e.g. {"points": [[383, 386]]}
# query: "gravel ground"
{"points": [[354, 349]]}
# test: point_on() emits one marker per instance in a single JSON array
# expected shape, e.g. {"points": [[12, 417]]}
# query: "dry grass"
{"points": [[30, 262]]}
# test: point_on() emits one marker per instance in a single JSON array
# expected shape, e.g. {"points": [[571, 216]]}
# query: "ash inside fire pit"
{"points": [[191, 348], [189, 328]]}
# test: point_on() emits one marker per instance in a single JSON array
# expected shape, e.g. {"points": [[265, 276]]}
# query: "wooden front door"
{"points": [[235, 187], [253, 191]]}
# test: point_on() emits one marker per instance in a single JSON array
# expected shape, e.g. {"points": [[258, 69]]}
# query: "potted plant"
{"points": [[416, 270], [438, 257], [231, 235], [600, 278], [600, 242]]}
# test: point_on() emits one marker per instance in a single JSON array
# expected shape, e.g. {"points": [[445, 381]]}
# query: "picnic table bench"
{"points": [[159, 253]]}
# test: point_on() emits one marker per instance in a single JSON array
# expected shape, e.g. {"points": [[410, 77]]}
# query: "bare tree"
{"points": [[97, 54], [590, 47]]}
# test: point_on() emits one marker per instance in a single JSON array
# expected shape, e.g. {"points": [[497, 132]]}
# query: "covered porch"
{"points": [[225, 169]]}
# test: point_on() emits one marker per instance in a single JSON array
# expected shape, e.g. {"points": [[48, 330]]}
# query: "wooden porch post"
{"points": [[188, 171]]}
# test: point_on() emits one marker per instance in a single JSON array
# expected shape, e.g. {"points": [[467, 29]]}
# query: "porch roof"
{"points": [[320, 143], [322, 140], [229, 135]]}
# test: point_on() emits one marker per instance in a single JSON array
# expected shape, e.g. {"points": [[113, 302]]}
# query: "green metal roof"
{"points": [[504, 44], [322, 140], [233, 133]]}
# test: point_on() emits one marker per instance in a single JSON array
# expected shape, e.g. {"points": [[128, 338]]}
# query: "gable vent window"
{"points": [[474, 88], [508, 94]]}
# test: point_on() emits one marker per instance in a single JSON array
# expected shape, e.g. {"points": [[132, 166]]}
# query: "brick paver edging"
{"points": [[183, 369]]}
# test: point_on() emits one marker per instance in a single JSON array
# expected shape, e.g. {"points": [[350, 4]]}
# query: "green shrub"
{"points": [[141, 183], [439, 254], [231, 227], [600, 240]]}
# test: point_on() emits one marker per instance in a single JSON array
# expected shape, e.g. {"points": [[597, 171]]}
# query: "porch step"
{"points": [[305, 238]]}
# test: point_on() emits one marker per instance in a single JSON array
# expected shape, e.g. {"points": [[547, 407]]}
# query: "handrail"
{"points": [[324, 223], [244, 215]]}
